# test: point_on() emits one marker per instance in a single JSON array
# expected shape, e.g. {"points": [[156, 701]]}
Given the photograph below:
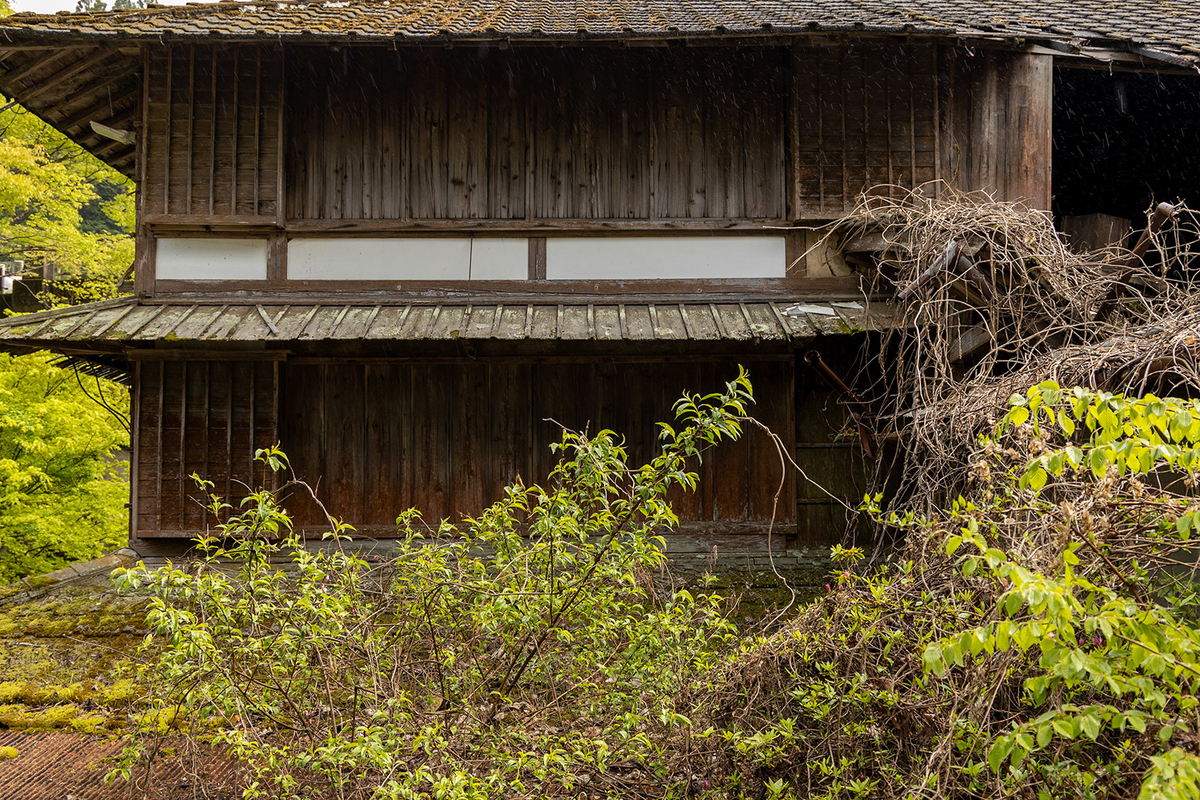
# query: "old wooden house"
{"points": [[398, 237]]}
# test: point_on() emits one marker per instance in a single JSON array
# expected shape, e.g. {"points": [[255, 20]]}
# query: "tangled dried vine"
{"points": [[991, 299]]}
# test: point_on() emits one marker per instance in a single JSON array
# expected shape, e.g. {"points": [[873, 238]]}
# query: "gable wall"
{"points": [[279, 143]]}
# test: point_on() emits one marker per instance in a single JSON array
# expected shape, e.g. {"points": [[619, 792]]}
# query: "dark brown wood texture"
{"points": [[204, 417], [431, 138], [996, 110], [446, 437], [829, 452], [422, 134], [866, 120], [213, 123]]}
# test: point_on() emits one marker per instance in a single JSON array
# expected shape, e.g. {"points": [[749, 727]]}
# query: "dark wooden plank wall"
{"points": [[540, 134], [203, 417], [213, 144], [996, 110], [446, 437], [536, 134], [866, 119], [829, 452]]}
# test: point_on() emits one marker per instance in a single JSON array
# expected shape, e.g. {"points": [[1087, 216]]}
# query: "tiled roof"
{"points": [[128, 321], [1162, 26]]}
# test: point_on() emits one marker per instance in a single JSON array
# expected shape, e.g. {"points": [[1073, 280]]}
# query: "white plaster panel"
{"points": [[188, 259], [408, 259], [500, 260], [665, 257]]}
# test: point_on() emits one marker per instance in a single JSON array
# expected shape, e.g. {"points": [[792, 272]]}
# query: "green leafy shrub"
{"points": [[1037, 639], [521, 653]]}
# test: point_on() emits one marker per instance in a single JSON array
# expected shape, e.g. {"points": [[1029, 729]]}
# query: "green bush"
{"points": [[522, 652], [1038, 639]]}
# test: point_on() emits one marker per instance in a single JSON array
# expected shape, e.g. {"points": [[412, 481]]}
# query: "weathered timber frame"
{"points": [[844, 119]]}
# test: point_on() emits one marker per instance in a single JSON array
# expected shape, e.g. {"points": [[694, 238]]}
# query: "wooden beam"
{"points": [[969, 342], [35, 64], [93, 111], [537, 258], [695, 291], [70, 72], [775, 227]]}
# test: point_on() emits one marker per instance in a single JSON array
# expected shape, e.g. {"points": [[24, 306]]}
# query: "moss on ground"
{"points": [[69, 661]]}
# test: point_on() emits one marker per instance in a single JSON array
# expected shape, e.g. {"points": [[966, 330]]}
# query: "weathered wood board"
{"points": [[377, 437]]}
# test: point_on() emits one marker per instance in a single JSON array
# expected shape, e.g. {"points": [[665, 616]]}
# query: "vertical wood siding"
{"points": [[536, 134], [213, 138], [446, 438], [996, 110], [539, 134], [866, 120], [202, 417]]}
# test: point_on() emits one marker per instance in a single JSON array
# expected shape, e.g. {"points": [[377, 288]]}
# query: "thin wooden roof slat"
{"points": [[162, 324], [638, 324], [702, 322], [608, 323], [733, 321], [545, 322], [197, 323], [763, 323], [574, 323], [669, 323]]}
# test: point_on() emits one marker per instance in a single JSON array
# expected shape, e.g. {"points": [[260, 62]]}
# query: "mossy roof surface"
{"points": [[1171, 26]]}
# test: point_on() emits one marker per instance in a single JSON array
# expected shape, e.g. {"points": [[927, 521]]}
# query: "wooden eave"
{"points": [[71, 86], [121, 325]]}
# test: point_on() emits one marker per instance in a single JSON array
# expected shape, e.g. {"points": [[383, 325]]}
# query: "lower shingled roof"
{"points": [[128, 320]]}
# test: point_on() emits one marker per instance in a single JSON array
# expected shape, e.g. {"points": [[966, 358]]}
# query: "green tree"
{"points": [[62, 494], [62, 488], [60, 207]]}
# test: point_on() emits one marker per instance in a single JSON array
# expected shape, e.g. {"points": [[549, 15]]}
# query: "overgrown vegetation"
{"points": [[63, 488], [524, 652], [1037, 640], [62, 493]]}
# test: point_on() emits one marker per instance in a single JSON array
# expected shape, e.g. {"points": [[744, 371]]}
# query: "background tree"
{"points": [[63, 487], [62, 490]]}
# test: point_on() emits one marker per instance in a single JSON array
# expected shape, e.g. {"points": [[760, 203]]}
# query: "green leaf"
{"points": [[1184, 524], [1044, 735], [1017, 416], [1035, 479], [1066, 423], [1000, 751], [1066, 727]]}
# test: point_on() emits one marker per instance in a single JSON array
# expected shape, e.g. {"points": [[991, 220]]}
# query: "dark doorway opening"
{"points": [[1124, 141]]}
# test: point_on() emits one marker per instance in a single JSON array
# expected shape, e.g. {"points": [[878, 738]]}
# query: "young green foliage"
{"points": [[62, 489], [519, 653]]}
